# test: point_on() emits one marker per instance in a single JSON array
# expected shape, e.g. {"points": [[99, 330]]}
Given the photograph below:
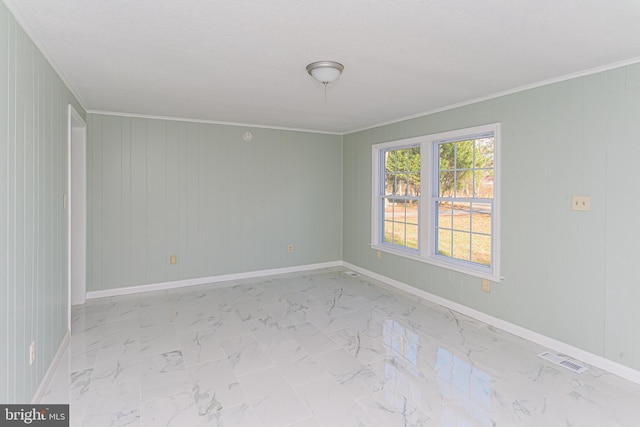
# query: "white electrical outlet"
{"points": [[580, 203], [290, 248], [32, 353]]}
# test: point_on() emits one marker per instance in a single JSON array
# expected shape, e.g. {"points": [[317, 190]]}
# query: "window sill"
{"points": [[433, 261]]}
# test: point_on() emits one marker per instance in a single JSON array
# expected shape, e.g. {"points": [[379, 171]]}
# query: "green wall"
{"points": [[572, 276], [160, 187], [33, 230]]}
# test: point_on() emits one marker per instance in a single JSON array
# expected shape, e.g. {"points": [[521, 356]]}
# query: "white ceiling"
{"points": [[243, 61]]}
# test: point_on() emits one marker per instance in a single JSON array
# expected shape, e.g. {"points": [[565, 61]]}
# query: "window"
{"points": [[399, 196], [454, 223]]}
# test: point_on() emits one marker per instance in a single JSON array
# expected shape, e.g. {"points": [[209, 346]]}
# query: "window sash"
{"points": [[402, 243]]}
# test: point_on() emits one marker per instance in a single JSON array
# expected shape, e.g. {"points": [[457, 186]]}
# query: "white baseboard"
{"points": [[48, 376], [206, 280], [550, 343]]}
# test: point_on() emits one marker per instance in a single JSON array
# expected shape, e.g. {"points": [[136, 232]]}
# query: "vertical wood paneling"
{"points": [[94, 202], [138, 214], [556, 218], [194, 237], [22, 261], [33, 232], [218, 182], [591, 284], [200, 254], [531, 207], [112, 244], [156, 191], [575, 279], [126, 249], [621, 234], [173, 197], [199, 191], [182, 198], [5, 333]]}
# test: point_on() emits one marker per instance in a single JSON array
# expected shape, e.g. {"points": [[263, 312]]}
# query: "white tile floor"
{"points": [[315, 349]]}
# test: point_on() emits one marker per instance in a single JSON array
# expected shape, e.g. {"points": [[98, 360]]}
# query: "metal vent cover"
{"points": [[563, 361]]}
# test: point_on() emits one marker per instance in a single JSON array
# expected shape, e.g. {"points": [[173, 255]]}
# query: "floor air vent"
{"points": [[352, 273], [563, 361]]}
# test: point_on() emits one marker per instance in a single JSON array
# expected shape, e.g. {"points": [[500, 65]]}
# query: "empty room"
{"points": [[339, 213]]}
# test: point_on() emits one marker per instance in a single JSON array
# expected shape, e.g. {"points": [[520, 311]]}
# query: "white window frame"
{"points": [[426, 205]]}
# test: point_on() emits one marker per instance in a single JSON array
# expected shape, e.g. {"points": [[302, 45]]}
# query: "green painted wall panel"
{"points": [[111, 201], [200, 192], [172, 188], [569, 275], [33, 255]]}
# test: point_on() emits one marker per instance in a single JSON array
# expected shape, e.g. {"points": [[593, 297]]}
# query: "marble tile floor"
{"points": [[315, 349]]}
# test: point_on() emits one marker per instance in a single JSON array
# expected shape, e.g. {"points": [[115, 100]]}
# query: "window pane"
{"points": [[464, 183], [412, 236], [447, 182], [399, 211], [461, 245], [462, 216], [412, 212], [402, 172], [445, 215], [484, 153], [388, 232], [444, 242], [387, 212], [481, 218], [483, 180], [446, 155], [399, 234], [389, 183], [414, 184], [402, 159], [414, 159], [481, 249], [464, 154]]}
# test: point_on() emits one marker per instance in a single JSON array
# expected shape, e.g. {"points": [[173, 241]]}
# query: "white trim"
{"points": [[543, 340], [554, 80], [74, 122], [211, 122], [390, 249], [48, 376], [206, 280]]}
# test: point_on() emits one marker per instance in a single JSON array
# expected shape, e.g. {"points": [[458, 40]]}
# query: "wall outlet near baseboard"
{"points": [[486, 285], [290, 248], [173, 259]]}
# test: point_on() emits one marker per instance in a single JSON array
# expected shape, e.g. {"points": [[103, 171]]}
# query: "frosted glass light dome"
{"points": [[325, 71]]}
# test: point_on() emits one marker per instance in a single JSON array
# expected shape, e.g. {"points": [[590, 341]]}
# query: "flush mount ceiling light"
{"points": [[325, 71]]}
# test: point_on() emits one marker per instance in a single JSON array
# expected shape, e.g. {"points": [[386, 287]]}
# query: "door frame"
{"points": [[76, 210]]}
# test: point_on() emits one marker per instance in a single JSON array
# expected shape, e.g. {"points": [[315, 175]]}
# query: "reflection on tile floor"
{"points": [[315, 349]]}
